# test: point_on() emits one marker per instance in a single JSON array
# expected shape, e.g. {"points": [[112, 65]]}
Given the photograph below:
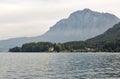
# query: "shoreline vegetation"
{"points": [[74, 46]]}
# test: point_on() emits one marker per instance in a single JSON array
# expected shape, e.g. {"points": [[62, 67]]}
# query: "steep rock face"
{"points": [[80, 25]]}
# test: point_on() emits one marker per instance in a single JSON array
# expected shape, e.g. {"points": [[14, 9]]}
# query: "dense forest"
{"points": [[51, 47], [76, 46], [106, 42]]}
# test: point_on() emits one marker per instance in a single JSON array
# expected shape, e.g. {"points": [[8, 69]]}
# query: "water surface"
{"points": [[59, 66]]}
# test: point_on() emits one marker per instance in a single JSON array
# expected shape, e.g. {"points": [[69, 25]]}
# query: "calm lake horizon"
{"points": [[59, 65]]}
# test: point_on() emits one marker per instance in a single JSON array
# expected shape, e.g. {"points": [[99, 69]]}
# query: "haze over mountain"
{"points": [[80, 25]]}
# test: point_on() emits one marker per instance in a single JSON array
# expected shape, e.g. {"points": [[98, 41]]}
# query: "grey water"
{"points": [[59, 66]]}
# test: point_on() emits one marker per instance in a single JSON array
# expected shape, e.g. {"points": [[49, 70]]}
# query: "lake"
{"points": [[59, 66]]}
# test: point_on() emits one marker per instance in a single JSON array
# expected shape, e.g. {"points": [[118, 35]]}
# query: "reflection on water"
{"points": [[59, 66]]}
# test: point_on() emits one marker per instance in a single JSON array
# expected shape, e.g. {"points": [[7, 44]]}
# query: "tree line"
{"points": [[74, 46]]}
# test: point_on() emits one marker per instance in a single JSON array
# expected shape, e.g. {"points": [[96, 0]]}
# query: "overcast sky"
{"points": [[26, 18]]}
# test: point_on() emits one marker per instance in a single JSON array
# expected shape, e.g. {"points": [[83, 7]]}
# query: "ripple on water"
{"points": [[60, 66]]}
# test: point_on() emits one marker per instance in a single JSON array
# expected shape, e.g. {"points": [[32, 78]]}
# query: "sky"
{"points": [[27, 18]]}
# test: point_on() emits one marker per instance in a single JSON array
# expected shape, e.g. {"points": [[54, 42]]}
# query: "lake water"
{"points": [[59, 66]]}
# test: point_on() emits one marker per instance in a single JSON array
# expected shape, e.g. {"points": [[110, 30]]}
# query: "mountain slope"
{"points": [[111, 34], [80, 25]]}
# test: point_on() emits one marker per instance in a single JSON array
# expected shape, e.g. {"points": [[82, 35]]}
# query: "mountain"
{"points": [[80, 25], [112, 34]]}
